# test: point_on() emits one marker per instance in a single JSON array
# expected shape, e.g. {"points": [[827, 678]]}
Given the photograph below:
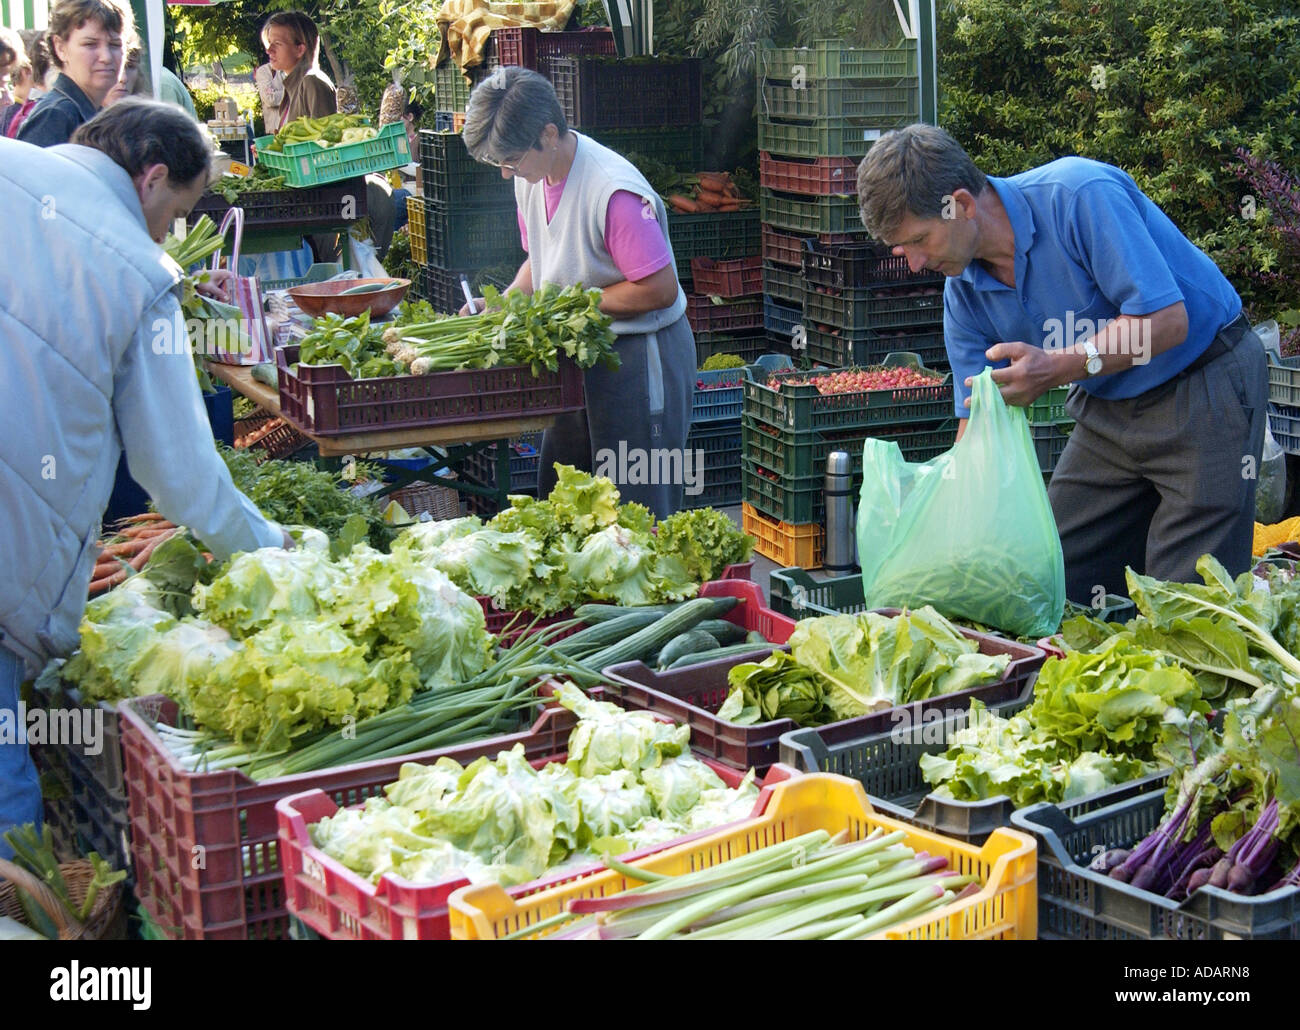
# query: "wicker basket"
{"points": [[441, 502], [107, 920]]}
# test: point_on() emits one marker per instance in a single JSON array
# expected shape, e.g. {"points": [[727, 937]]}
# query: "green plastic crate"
{"points": [[450, 89], [471, 237], [680, 147], [783, 284], [1050, 439], [720, 235], [800, 455], [799, 214], [835, 59], [880, 106], [307, 164], [1050, 407], [802, 408], [749, 345], [816, 139], [866, 347], [876, 310]]}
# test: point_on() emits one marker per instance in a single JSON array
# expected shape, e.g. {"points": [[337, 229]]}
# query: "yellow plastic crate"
{"points": [[415, 228], [790, 545], [1006, 864]]}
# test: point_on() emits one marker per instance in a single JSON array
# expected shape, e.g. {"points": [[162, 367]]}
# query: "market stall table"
{"points": [[455, 442]]}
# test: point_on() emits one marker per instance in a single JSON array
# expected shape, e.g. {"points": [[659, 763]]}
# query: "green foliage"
{"points": [[245, 94], [1165, 90]]}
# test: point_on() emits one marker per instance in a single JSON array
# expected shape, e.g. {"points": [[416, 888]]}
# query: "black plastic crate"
{"points": [[1077, 903], [680, 147], [525, 459], [1050, 439], [783, 285], [472, 237], [597, 92], [720, 235], [857, 266], [876, 309], [441, 287], [451, 178], [840, 348], [719, 446], [335, 203]]}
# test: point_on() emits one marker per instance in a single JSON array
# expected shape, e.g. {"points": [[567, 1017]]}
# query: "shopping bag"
{"points": [[969, 532], [251, 344]]}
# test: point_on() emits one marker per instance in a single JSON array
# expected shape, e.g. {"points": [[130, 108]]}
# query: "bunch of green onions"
{"points": [[812, 887]]}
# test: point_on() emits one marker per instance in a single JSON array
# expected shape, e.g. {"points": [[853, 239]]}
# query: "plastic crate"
{"points": [[878, 309], [415, 230], [1075, 903], [858, 266], [719, 443], [448, 121], [721, 235], [453, 179], [749, 346], [325, 400], [840, 348], [781, 319], [693, 695], [282, 440], [816, 139], [783, 543], [307, 164], [339, 904], [742, 277], [450, 88], [525, 460], [1050, 407], [207, 858], [599, 92], [290, 209], [1004, 908], [817, 177], [835, 59], [441, 287], [783, 285], [1050, 439], [708, 317], [1284, 381], [802, 408], [719, 394], [782, 248], [876, 104], [1284, 424], [527, 47], [458, 237], [680, 147], [809, 215], [717, 493], [796, 456]]}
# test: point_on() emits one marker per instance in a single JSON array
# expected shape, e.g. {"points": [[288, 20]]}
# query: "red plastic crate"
{"points": [[342, 905], [206, 854], [740, 278], [707, 317], [532, 48], [787, 248], [819, 177], [325, 400], [692, 697]]}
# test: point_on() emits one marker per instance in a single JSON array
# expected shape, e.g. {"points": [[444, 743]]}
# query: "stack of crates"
{"points": [[525, 459], [1050, 428], [465, 221], [787, 431], [820, 108], [713, 443], [724, 304], [862, 303], [1284, 402]]}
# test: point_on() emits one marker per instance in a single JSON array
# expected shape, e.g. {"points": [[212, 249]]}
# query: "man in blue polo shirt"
{"points": [[1065, 274]]}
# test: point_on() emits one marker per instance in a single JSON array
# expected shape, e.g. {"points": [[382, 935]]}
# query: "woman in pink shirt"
{"points": [[587, 216]]}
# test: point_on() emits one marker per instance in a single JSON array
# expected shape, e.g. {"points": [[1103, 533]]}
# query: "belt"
{"points": [[1226, 338]]}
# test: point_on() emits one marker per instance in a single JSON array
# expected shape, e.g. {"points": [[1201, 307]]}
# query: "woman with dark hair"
{"points": [[586, 215], [88, 43]]}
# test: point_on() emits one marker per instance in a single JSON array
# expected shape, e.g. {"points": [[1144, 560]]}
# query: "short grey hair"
{"points": [[507, 112], [912, 170], [138, 134]]}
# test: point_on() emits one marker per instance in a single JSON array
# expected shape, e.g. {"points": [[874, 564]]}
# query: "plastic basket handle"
{"points": [[236, 215], [69, 928]]}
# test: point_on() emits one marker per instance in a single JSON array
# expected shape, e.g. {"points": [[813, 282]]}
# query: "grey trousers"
{"points": [[635, 424], [1155, 481]]}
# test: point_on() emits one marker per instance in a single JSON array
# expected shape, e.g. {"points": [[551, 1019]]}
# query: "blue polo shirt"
{"points": [[1089, 246]]}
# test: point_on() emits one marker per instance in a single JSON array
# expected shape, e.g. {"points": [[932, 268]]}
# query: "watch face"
{"points": [[1094, 365]]}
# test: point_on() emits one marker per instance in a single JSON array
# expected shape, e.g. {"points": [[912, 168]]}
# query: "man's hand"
{"points": [[1031, 374], [288, 543], [218, 285]]}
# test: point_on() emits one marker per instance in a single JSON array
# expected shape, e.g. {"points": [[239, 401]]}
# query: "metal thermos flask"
{"points": [[840, 549]]}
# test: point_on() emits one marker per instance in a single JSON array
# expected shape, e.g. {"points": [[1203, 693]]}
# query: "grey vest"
{"points": [[571, 249]]}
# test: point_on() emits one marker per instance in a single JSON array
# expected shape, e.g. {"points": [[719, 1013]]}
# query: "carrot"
{"points": [[142, 559], [709, 197], [129, 547], [730, 205], [98, 586], [731, 191], [683, 204], [713, 181]]}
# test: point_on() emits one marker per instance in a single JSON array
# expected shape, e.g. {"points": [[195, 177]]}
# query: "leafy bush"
{"points": [[1166, 90], [245, 94]]}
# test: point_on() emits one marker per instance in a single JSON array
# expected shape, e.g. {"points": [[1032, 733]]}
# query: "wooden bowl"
{"points": [[324, 298]]}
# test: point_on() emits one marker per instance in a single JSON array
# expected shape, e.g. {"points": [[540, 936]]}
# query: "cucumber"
{"points": [[365, 288], [593, 613], [654, 636], [723, 632], [690, 642], [603, 634], [734, 651]]}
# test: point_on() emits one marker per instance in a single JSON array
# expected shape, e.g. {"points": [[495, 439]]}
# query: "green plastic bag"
{"points": [[969, 532]]}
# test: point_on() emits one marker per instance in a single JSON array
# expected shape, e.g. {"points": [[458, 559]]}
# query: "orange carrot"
{"points": [[712, 181], [683, 204], [730, 205], [128, 547], [142, 559], [98, 586]]}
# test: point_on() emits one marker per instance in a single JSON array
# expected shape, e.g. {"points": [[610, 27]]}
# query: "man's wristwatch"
{"points": [[1093, 356]]}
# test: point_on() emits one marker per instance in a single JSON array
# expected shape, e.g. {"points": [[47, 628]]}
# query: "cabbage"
{"points": [[258, 587], [115, 630], [608, 739], [178, 659], [678, 785]]}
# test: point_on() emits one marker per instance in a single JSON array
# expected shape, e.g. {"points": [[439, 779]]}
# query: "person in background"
{"points": [[586, 215], [11, 49], [88, 41], [21, 81], [133, 83], [38, 58], [270, 87], [88, 378], [172, 90], [292, 44], [411, 119]]}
